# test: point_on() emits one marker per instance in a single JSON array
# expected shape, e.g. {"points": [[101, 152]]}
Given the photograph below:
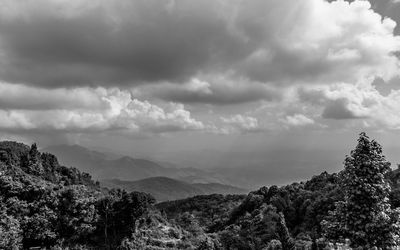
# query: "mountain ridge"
{"points": [[163, 188], [103, 166]]}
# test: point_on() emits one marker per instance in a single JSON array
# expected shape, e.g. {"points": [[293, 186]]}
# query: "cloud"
{"points": [[343, 101], [340, 109], [362, 101], [218, 91], [119, 43], [298, 120], [327, 47], [89, 110], [99, 42], [152, 118], [19, 96], [240, 123], [90, 66]]}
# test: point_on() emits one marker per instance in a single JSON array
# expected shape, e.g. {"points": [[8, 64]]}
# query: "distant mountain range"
{"points": [[110, 166], [164, 188], [163, 180]]}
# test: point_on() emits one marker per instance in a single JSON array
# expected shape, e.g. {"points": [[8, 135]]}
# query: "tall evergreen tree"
{"points": [[33, 163], [365, 216], [284, 235]]}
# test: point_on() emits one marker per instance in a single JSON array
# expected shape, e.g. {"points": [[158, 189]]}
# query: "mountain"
{"points": [[163, 188], [108, 166], [23, 160], [44, 205]]}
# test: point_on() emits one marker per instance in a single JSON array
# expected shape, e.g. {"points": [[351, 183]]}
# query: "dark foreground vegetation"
{"points": [[43, 204]]}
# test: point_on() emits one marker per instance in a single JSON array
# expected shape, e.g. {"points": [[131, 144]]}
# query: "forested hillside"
{"points": [[48, 205], [43, 204], [311, 214]]}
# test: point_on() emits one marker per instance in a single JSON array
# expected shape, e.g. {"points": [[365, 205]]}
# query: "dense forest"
{"points": [[44, 204]]}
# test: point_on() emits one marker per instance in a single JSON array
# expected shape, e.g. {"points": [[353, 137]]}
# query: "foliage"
{"points": [[44, 204], [10, 231], [284, 235], [118, 213], [211, 211], [274, 245], [152, 231], [77, 215], [365, 215]]}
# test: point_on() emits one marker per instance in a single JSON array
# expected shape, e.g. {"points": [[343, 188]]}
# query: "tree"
{"points": [[190, 224], [274, 245], [39, 229], [10, 232], [32, 164], [76, 213], [365, 215], [118, 212], [284, 235]]}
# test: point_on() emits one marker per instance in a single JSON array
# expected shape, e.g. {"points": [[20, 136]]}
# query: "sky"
{"points": [[282, 86]]}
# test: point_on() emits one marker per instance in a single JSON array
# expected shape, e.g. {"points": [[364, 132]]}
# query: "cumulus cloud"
{"points": [[341, 101], [240, 123], [89, 110], [362, 101], [298, 120], [324, 46], [60, 43], [69, 65], [152, 118]]}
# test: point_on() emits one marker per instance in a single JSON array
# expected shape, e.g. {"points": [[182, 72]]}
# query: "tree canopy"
{"points": [[44, 204], [365, 215]]}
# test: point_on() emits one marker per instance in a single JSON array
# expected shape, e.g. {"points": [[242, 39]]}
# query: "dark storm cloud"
{"points": [[65, 43], [120, 42]]}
